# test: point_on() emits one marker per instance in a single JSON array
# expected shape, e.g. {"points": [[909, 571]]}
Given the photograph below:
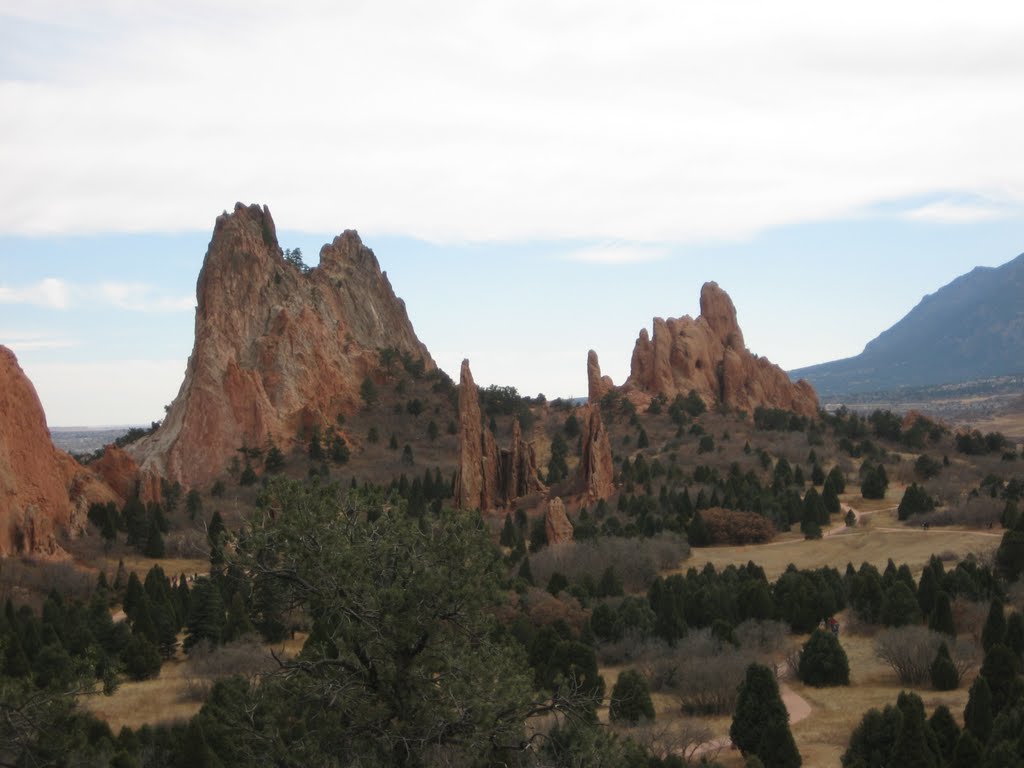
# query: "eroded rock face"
{"points": [[275, 348], [596, 470], [709, 355], [597, 385], [43, 490], [556, 523], [488, 477]]}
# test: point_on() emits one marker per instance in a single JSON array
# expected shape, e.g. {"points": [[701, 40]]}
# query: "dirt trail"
{"points": [[798, 707]]}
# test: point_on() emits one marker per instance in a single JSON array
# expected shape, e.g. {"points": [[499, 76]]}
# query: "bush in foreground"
{"points": [[823, 662]]}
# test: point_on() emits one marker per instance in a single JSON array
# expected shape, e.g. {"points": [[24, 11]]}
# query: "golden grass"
{"points": [[161, 701], [879, 538]]}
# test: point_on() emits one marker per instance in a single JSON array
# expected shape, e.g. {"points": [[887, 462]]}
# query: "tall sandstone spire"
{"points": [[277, 349], [43, 490]]}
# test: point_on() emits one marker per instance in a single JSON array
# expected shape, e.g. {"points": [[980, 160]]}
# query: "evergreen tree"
{"points": [[508, 533], [237, 624], [760, 725], [206, 621], [899, 606], [946, 731], [1015, 634], [823, 661], [941, 618], [943, 671], [1010, 555], [154, 547], [195, 752], [978, 714], [968, 752], [837, 479], [872, 741], [698, 533], [912, 749], [631, 699], [141, 658], [524, 571], [994, 631], [927, 589], [1000, 670]]}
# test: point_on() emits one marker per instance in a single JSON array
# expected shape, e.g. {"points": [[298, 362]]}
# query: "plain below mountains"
{"points": [[971, 329]]}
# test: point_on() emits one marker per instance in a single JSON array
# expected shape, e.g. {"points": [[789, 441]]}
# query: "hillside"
{"points": [[972, 328]]}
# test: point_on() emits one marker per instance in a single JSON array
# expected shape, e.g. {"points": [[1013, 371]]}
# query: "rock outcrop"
{"points": [[488, 477], [276, 347], [597, 385], [596, 471], [709, 355], [118, 470], [556, 523], [43, 490]]}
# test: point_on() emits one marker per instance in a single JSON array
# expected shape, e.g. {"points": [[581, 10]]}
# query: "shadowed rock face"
{"points": [[597, 469], [708, 355], [489, 477], [275, 349], [43, 490]]}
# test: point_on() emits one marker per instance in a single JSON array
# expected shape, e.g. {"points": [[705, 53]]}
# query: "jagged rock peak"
{"points": [[597, 385], [596, 471], [277, 348], [708, 355], [43, 490]]}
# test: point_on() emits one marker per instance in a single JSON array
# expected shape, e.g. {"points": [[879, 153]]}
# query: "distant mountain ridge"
{"points": [[972, 328]]}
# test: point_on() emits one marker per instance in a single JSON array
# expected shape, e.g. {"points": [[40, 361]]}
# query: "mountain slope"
{"points": [[972, 328]]}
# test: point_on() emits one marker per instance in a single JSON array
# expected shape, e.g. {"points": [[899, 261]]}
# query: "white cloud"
{"points": [[50, 292], [53, 293], [32, 341], [139, 297], [646, 122], [957, 213]]}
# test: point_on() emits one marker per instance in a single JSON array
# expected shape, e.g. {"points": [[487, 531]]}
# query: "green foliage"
{"points": [[558, 469], [978, 713], [875, 482], [872, 740], [631, 699], [206, 620], [760, 725], [368, 392], [912, 748], [1010, 555], [404, 658], [248, 476], [823, 661], [915, 501], [943, 671], [1000, 670], [946, 730], [899, 606], [941, 617], [994, 631], [968, 752]]}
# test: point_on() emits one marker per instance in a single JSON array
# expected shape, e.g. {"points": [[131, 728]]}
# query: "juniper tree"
{"points": [[760, 725]]}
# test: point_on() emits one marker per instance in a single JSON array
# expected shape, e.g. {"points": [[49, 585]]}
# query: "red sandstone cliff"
{"points": [[709, 355], [489, 477], [275, 349], [43, 490]]}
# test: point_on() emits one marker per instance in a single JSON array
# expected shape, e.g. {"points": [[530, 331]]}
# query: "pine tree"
{"points": [[968, 752], [1015, 634], [631, 699], [823, 661], [760, 725], [943, 672], [1000, 669], [994, 631], [946, 731], [206, 621], [899, 606], [238, 624], [927, 589], [978, 712], [911, 749], [508, 533], [941, 618]]}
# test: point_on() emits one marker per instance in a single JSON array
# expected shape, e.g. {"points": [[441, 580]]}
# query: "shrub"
{"points": [[823, 661], [631, 699], [944, 674], [910, 651], [726, 526]]}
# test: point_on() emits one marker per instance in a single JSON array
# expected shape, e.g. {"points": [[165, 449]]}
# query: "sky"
{"points": [[537, 178]]}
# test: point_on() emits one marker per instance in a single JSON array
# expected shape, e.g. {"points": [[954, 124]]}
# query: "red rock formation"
{"points": [[556, 523], [274, 347], [118, 470], [488, 478], [597, 385], [708, 355], [43, 490], [596, 471], [518, 476]]}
